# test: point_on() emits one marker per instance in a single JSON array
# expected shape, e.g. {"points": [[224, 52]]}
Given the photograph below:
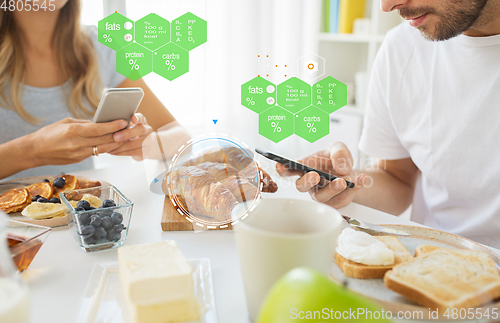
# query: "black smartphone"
{"points": [[298, 166]]}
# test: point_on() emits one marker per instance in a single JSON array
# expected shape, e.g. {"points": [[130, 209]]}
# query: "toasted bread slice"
{"points": [[70, 184], [477, 257], [441, 279], [15, 200], [361, 271], [43, 189]]}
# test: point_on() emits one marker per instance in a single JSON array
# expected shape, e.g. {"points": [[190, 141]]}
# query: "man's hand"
{"points": [[337, 160]]}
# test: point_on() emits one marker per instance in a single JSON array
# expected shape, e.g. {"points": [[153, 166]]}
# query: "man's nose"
{"points": [[390, 5]]}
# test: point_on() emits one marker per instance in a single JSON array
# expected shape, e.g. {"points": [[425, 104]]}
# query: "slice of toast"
{"points": [[441, 279], [476, 257], [361, 271]]}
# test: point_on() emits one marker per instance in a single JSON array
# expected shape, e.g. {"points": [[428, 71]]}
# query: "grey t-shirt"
{"points": [[50, 104]]}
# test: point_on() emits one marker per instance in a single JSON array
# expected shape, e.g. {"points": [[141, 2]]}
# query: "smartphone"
{"points": [[298, 166], [118, 103]]}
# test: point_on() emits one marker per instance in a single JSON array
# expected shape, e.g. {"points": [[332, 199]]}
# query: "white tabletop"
{"points": [[59, 273]]}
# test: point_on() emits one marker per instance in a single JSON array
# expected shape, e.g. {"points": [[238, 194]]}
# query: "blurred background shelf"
{"points": [[349, 38]]}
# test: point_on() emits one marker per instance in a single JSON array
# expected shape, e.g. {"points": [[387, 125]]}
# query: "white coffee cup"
{"points": [[282, 234]]}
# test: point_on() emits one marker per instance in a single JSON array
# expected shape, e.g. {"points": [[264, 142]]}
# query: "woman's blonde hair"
{"points": [[75, 54]]}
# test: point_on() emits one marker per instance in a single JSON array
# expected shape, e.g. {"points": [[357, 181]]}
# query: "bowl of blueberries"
{"points": [[98, 217]]}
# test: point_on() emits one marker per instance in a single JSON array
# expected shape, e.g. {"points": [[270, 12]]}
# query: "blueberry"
{"points": [[100, 233], [108, 203], [42, 200], [95, 220], [103, 212], [35, 198], [84, 204], [92, 208], [90, 240], [55, 200], [59, 182], [110, 235], [84, 218], [117, 237], [79, 208], [88, 230], [46, 181], [118, 227], [106, 223], [116, 217]]}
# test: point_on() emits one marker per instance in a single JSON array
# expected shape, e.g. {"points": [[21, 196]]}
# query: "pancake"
{"points": [[43, 189], [85, 183], [15, 200], [71, 184]]}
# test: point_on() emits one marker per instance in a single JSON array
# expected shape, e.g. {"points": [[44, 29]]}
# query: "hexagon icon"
{"points": [[171, 61], [189, 31], [329, 94], [294, 95], [276, 124], [115, 31], [152, 31], [312, 124], [134, 61], [310, 67], [258, 94]]}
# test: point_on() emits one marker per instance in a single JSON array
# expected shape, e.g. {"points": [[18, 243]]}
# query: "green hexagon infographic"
{"points": [[312, 124], [171, 61], [294, 95], [134, 61], [276, 124], [189, 31], [258, 94], [152, 31], [329, 94], [115, 31]]}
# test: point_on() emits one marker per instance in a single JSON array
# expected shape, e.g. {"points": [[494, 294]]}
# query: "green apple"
{"points": [[304, 294]]}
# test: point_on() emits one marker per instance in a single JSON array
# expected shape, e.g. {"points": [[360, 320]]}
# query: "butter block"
{"points": [[165, 312], [157, 283]]}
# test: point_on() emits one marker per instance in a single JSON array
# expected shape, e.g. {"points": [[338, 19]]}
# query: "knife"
{"points": [[373, 227]]}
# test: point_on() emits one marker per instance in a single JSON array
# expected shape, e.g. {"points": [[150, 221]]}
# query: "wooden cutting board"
{"points": [[171, 220]]}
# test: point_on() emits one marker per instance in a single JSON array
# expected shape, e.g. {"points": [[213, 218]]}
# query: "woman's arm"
{"points": [[15, 156], [64, 142]]}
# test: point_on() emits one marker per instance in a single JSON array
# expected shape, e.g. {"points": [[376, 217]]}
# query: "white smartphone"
{"points": [[118, 103]]}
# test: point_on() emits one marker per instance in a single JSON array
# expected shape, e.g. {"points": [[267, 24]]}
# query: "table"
{"points": [[58, 275]]}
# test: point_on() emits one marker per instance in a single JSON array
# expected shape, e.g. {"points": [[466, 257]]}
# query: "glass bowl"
{"points": [[92, 229], [24, 241]]}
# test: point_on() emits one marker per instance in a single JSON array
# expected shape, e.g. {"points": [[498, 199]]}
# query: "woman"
{"points": [[52, 72]]}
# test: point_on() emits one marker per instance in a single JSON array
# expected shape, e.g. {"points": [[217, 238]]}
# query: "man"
{"points": [[433, 120]]}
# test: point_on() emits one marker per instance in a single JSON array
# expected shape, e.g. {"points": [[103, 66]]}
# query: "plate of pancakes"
{"points": [[16, 198]]}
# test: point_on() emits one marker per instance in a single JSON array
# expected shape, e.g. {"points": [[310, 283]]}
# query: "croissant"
{"points": [[239, 160], [211, 185]]}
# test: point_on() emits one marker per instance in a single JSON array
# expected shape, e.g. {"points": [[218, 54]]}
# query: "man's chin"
{"points": [[428, 33]]}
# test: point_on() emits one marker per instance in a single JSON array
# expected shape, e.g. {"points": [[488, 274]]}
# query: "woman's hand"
{"points": [[132, 138], [70, 141]]}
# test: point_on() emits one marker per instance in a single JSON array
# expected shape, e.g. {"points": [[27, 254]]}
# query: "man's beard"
{"points": [[456, 17]]}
